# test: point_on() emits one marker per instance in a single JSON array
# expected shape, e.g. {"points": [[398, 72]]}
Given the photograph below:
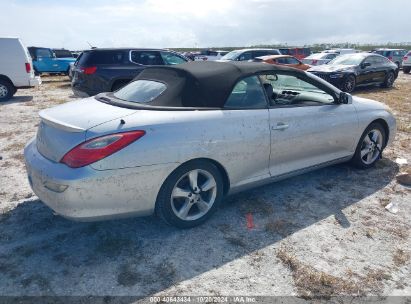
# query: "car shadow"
{"points": [[374, 89], [18, 99], [141, 256]]}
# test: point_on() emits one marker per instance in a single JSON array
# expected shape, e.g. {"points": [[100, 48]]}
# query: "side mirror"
{"points": [[344, 98]]}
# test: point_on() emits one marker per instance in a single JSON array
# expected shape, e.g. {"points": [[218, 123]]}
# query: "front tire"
{"points": [[7, 90], [389, 80], [370, 146], [190, 195], [349, 84]]}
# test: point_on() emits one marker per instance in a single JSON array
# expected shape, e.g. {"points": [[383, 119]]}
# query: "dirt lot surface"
{"points": [[322, 233]]}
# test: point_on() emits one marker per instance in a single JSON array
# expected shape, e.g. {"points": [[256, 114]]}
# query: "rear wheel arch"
{"points": [[220, 167], [5, 78], [168, 206]]}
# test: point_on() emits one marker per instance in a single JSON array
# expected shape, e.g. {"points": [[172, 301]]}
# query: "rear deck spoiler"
{"points": [[59, 124]]}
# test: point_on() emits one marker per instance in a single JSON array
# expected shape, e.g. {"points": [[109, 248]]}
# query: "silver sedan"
{"points": [[177, 140]]}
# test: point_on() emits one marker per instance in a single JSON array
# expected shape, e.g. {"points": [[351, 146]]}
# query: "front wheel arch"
{"points": [[384, 124]]}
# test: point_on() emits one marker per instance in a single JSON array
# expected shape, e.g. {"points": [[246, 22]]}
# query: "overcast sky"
{"points": [[203, 23]]}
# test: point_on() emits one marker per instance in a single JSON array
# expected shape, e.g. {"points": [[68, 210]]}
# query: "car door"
{"points": [[307, 127], [45, 62], [366, 71], [248, 151], [380, 69]]}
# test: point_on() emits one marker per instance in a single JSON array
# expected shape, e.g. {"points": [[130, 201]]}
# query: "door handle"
{"points": [[280, 126]]}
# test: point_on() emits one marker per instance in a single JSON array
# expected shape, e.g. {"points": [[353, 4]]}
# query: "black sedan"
{"points": [[361, 69]]}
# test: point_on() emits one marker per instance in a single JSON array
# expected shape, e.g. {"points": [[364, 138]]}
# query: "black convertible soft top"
{"points": [[202, 84]]}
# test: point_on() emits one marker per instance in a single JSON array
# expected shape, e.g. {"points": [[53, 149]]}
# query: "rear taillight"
{"points": [[28, 67], [89, 70], [405, 58], [98, 148], [314, 61], [390, 58]]}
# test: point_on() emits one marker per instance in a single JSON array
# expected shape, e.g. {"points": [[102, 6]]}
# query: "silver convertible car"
{"points": [[176, 140]]}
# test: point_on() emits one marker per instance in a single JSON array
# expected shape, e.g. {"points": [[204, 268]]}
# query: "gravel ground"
{"points": [[323, 233]]}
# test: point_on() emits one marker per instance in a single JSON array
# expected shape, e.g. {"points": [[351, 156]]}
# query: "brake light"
{"points": [[89, 70], [98, 148], [390, 58], [314, 61], [405, 58], [28, 67]]}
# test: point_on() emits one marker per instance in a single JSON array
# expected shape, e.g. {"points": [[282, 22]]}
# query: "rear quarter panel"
{"points": [[237, 139]]}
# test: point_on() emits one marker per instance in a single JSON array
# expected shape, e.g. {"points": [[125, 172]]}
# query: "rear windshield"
{"points": [[63, 54], [141, 91], [103, 57]]}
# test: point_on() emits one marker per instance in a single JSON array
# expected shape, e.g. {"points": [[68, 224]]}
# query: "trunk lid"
{"points": [[64, 127]]}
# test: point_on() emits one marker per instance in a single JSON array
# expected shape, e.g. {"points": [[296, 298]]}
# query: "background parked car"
{"points": [[105, 70], [248, 54], [352, 70], [45, 61], [319, 58], [285, 60], [62, 53], [406, 63], [210, 55], [15, 68], [341, 51], [299, 53], [395, 55]]}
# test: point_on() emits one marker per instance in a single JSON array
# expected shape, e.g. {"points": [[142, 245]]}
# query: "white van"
{"points": [[16, 68]]}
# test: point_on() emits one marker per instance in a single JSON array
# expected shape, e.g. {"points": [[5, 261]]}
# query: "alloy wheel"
{"points": [[3, 91], [371, 146], [390, 79], [193, 195], [349, 84]]}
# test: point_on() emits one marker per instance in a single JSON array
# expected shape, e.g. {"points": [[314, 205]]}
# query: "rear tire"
{"points": [[190, 194], [369, 148], [7, 90], [389, 80], [349, 84], [406, 70]]}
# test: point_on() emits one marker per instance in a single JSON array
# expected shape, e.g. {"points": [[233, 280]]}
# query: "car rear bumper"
{"points": [[86, 194], [35, 81]]}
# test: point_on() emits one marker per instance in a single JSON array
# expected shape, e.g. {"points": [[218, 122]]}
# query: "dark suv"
{"points": [[107, 70]]}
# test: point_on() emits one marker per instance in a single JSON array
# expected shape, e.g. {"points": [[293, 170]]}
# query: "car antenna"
{"points": [[92, 47]]}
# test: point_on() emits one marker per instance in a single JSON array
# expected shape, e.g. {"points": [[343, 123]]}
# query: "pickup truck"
{"points": [[45, 61]]}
